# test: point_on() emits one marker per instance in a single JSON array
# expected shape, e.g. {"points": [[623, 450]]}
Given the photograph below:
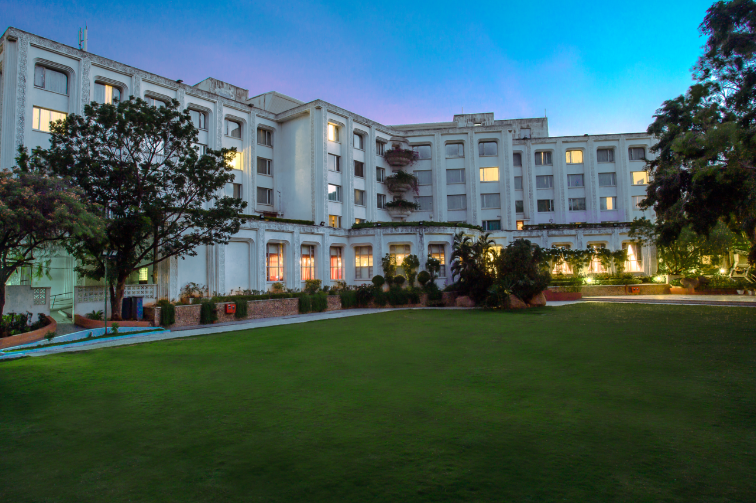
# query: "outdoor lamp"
{"points": [[322, 224]]}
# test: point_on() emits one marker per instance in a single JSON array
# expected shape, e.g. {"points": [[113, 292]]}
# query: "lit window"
{"points": [[575, 181], [639, 177], [380, 147], [577, 204], [424, 177], [425, 203], [608, 203], [607, 179], [490, 201], [274, 262], [545, 182], [637, 154], [333, 132], [437, 252], [264, 166], [520, 206], [380, 174], [334, 193], [423, 151], [595, 265], [265, 137], [237, 190], [574, 156], [518, 183], [105, 93], [545, 205], [363, 262], [264, 196], [458, 202], [489, 174], [543, 159], [144, 274], [199, 119], [236, 161], [491, 225], [455, 150], [307, 262], [488, 148], [633, 263], [359, 141], [359, 169], [233, 129], [42, 117], [382, 201], [455, 176], [50, 80], [334, 162], [560, 266], [337, 266], [637, 200], [334, 221], [359, 197], [605, 155], [398, 253], [520, 225]]}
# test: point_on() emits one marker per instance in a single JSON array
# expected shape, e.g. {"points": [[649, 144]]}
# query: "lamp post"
{"points": [[107, 255]]}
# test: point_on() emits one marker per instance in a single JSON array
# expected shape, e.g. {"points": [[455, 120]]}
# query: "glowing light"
{"points": [[589, 280], [722, 271], [658, 279]]}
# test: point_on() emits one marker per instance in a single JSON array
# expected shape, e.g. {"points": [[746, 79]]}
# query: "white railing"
{"points": [[97, 293]]}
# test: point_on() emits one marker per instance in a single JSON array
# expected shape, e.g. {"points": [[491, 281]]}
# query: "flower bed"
{"points": [[28, 337], [90, 324]]}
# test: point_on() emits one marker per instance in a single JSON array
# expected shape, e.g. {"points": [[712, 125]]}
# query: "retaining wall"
{"points": [[603, 290]]}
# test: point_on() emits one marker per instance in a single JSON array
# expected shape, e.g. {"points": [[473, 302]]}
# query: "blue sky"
{"points": [[595, 67]]}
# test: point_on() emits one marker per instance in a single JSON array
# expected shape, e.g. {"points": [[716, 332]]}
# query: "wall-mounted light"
{"points": [[322, 224]]}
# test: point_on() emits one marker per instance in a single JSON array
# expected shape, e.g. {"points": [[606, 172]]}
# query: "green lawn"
{"points": [[593, 402]]}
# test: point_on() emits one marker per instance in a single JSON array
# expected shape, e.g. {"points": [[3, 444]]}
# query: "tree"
{"points": [[705, 169], [139, 164], [37, 212], [520, 270], [410, 265], [472, 262]]}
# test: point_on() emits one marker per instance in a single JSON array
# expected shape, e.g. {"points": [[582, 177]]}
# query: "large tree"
{"points": [[161, 197], [705, 166], [37, 212]]}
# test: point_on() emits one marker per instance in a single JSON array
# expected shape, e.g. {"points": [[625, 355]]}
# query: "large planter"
{"points": [[27, 337], [400, 188], [399, 158], [399, 212]]}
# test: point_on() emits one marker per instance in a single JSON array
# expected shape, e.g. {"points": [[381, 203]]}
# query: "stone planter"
{"points": [[398, 158], [401, 213], [400, 188]]}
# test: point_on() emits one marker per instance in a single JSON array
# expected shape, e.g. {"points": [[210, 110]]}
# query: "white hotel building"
{"points": [[318, 162]]}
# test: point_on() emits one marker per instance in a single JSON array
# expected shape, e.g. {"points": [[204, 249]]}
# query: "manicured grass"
{"points": [[588, 403]]}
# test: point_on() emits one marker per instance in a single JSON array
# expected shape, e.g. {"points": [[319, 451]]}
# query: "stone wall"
{"points": [[334, 303]]}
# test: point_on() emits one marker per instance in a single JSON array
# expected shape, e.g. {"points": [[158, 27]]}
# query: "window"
{"points": [[334, 221], [437, 252], [380, 147], [334, 162], [517, 159], [634, 254], [423, 151], [200, 148], [264, 196], [274, 262], [333, 132], [455, 176], [637, 153], [264, 166], [489, 174], [545, 205], [236, 161], [488, 148], [458, 202], [359, 169], [399, 253], [575, 181], [334, 192], [424, 177], [490, 201], [520, 206], [154, 102], [560, 266], [144, 275], [525, 132], [105, 93], [359, 141], [50, 80], [382, 201], [520, 225], [545, 182], [307, 262], [265, 137], [380, 174], [605, 155], [543, 159], [363, 262], [237, 191], [637, 200], [574, 157], [607, 179], [42, 117], [639, 177], [577, 204], [491, 225], [455, 150], [425, 203], [337, 266], [608, 203], [233, 129], [595, 265], [359, 197], [199, 119], [518, 183]]}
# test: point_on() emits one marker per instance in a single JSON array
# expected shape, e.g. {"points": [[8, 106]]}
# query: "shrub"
{"points": [[397, 296], [434, 293], [519, 266], [114, 328], [312, 285], [319, 303], [378, 281], [305, 304], [208, 313], [399, 280], [241, 309], [413, 297], [365, 294], [423, 278], [277, 287], [94, 315], [49, 335], [167, 313], [348, 299], [410, 265], [380, 298]]}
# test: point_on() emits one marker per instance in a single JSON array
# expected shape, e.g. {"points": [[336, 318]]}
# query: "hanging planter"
{"points": [[401, 208], [398, 157], [400, 182]]}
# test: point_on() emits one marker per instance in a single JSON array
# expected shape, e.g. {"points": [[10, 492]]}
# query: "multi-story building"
{"points": [[318, 162]]}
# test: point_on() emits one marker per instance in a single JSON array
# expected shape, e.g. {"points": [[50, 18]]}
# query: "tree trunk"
{"points": [[116, 298], [2, 296]]}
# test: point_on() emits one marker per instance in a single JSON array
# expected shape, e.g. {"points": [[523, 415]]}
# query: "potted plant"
{"points": [[400, 182], [400, 157], [401, 208]]}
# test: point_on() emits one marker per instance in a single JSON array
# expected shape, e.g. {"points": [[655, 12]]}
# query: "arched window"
{"points": [[363, 262], [50, 80], [308, 262]]}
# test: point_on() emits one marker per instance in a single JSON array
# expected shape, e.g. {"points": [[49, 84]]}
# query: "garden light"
{"points": [[589, 280], [722, 271]]}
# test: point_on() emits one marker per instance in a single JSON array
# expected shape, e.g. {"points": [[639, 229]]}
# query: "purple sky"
{"points": [[596, 67]]}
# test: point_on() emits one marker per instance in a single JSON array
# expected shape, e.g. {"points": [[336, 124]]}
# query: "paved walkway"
{"points": [[690, 300]]}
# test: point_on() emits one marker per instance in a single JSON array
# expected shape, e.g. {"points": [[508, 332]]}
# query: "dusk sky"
{"points": [[595, 67]]}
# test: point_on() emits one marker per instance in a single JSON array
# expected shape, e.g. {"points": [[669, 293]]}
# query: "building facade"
{"points": [[318, 162]]}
